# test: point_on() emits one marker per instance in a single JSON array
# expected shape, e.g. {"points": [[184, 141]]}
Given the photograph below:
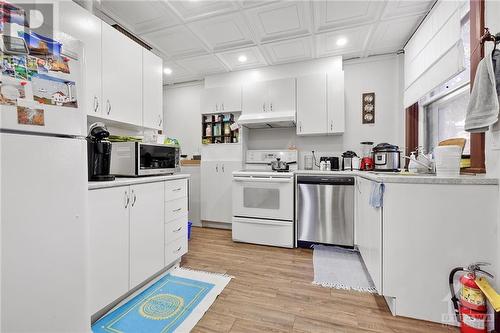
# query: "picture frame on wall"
{"points": [[368, 108]]}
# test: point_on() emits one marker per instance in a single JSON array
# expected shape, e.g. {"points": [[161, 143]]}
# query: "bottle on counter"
{"points": [[322, 166]]}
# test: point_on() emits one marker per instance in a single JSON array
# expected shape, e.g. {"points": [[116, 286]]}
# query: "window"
{"points": [[444, 108], [444, 119]]}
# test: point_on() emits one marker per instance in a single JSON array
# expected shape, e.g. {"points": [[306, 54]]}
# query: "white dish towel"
{"points": [[483, 107]]}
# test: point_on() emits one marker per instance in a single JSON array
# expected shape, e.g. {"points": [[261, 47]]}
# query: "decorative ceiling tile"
{"points": [[253, 58], [255, 3], [176, 42], [141, 16], [391, 35], [281, 20], [332, 15], [400, 8], [291, 50], [223, 32], [329, 44], [207, 64], [190, 10], [179, 74]]}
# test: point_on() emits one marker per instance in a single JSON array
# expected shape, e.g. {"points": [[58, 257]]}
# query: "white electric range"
{"points": [[263, 199]]}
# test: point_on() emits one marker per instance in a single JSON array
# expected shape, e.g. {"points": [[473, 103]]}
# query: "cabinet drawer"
{"points": [[175, 209], [175, 189], [176, 229], [175, 250]]}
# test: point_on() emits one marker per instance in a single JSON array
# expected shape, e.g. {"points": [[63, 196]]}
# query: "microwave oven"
{"points": [[135, 159]]}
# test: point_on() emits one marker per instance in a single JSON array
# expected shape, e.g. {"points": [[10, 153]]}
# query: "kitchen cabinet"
{"points": [[216, 190], [128, 235], [320, 104], [369, 232], [221, 99], [70, 20], [146, 231], [109, 249], [269, 96], [121, 77], [152, 90]]}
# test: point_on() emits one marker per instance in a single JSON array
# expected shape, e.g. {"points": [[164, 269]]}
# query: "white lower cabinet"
{"points": [[369, 232], [109, 249], [132, 237], [216, 190], [146, 231]]}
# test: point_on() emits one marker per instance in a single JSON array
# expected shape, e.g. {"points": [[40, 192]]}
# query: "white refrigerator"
{"points": [[44, 236]]}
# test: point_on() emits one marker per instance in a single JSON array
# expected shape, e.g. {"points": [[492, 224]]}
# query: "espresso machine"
{"points": [[99, 153]]}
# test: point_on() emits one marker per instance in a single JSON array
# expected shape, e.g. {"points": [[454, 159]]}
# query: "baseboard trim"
{"points": [[216, 225]]}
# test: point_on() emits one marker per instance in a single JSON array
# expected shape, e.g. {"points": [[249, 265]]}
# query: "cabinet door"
{"points": [[210, 100], [146, 231], [369, 233], [254, 97], [281, 95], [336, 110], [230, 98], [311, 105], [121, 77], [152, 90], [71, 18], [224, 198], [109, 245], [209, 190]]}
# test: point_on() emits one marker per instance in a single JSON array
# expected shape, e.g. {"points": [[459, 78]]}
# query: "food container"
{"points": [[447, 159]]}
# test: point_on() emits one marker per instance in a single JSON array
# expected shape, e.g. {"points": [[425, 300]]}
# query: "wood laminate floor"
{"points": [[272, 292]]}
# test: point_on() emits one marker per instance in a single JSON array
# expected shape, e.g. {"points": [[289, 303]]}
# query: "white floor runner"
{"points": [[340, 268]]}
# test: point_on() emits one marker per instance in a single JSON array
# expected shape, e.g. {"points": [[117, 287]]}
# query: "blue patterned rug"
{"points": [[174, 303]]}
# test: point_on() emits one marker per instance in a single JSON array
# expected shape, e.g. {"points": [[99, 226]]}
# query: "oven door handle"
{"points": [[262, 180]]}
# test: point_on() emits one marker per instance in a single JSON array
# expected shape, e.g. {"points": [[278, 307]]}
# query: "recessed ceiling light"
{"points": [[167, 70], [341, 41], [242, 58]]}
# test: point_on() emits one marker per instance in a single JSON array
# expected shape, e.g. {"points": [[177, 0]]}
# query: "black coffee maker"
{"points": [[99, 153]]}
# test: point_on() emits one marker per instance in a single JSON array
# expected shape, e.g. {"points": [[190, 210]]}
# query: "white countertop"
{"points": [[406, 178], [125, 181]]}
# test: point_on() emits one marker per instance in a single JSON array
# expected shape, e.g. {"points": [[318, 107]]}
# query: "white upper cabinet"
{"points": [[336, 108], [121, 77], [152, 90], [71, 18], [269, 96], [221, 99], [320, 104], [311, 105]]}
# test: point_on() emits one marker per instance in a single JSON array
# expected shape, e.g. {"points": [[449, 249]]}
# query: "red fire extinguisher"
{"points": [[470, 306]]}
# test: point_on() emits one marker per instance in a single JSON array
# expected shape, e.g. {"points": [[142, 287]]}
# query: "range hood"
{"points": [[268, 119]]}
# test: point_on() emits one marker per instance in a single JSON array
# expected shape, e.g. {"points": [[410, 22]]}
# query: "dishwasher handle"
{"points": [[326, 180]]}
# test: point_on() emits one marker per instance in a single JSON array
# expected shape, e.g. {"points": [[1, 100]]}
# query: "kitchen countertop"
{"points": [[125, 181], [406, 178]]}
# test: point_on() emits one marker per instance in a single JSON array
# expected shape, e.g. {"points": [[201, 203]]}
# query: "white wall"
{"points": [[182, 116]]}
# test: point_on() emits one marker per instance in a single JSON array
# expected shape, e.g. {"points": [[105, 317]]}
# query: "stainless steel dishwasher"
{"points": [[325, 210]]}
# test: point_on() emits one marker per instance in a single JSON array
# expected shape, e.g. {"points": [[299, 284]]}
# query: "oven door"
{"points": [[266, 197], [157, 159]]}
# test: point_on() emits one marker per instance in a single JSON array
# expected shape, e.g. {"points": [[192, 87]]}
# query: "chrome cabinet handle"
{"points": [[135, 198], [108, 106], [180, 248], [264, 107], [161, 120], [217, 168], [271, 106], [176, 189], [331, 126], [127, 199], [177, 230], [96, 104], [300, 126], [223, 168], [175, 210]]}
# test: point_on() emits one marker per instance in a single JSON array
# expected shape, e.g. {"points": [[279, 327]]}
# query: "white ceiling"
{"points": [[200, 37]]}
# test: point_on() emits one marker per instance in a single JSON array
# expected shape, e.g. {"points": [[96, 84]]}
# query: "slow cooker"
{"points": [[386, 157]]}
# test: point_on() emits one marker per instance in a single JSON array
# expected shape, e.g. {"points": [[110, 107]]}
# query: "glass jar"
{"points": [[308, 162]]}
